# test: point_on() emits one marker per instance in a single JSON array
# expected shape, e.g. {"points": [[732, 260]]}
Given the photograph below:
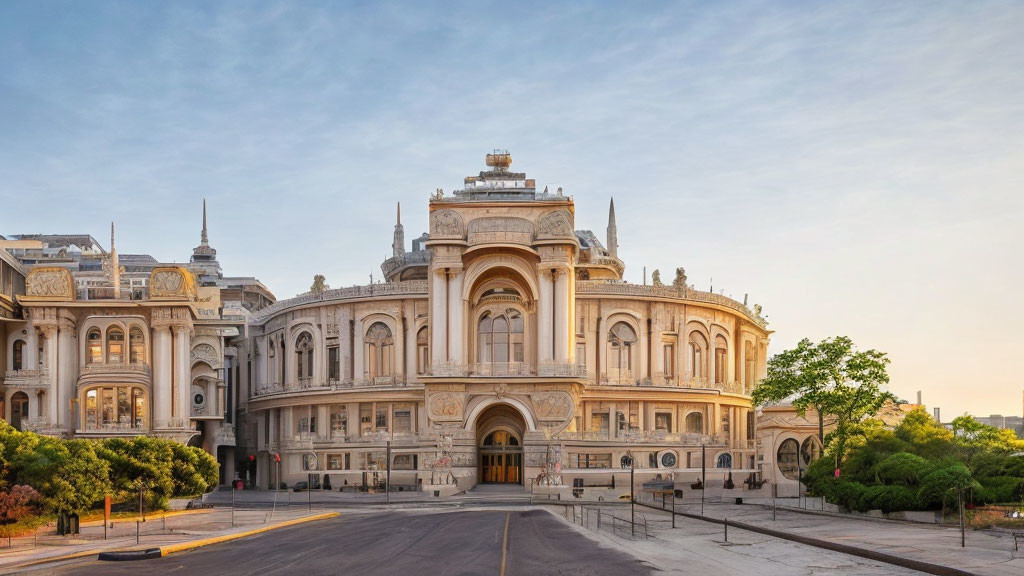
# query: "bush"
{"points": [[889, 499], [194, 470], [67, 473], [903, 468]]}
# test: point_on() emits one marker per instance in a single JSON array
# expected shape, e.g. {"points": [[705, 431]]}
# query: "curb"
{"points": [[172, 548], [921, 566], [130, 555]]}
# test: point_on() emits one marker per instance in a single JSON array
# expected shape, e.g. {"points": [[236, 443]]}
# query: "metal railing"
{"points": [[590, 517]]}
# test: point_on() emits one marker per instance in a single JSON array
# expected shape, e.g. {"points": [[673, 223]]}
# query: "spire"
{"points": [[613, 232], [205, 240], [115, 265], [398, 245]]}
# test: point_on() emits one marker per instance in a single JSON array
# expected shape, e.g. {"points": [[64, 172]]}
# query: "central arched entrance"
{"points": [[500, 440]]}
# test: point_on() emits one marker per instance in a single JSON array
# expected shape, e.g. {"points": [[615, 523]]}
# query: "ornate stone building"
{"points": [[95, 348], [504, 347]]}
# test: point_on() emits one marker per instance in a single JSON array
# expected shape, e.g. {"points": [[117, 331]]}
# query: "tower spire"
{"points": [[613, 231], [398, 245], [115, 265], [205, 240]]}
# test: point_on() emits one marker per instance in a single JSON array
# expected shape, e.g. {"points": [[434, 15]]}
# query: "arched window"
{"points": [[787, 458], [500, 338], [422, 352], [304, 356], [698, 356], [721, 354], [621, 342], [19, 351], [115, 346], [694, 423], [95, 344], [810, 450], [136, 345], [379, 345], [19, 409], [724, 461], [115, 407]]}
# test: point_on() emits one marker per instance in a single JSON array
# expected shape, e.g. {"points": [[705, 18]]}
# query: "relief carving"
{"points": [[552, 405], [205, 353], [446, 223], [446, 405], [555, 223], [50, 282], [167, 283]]}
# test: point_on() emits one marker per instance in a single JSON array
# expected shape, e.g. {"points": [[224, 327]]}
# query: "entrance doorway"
{"points": [[501, 459], [500, 430], [19, 409]]}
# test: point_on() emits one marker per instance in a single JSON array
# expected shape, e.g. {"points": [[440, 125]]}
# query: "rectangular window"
{"points": [[599, 423], [404, 462], [365, 419], [581, 354], [670, 360], [339, 421], [303, 425], [333, 363], [403, 420], [382, 418], [593, 460], [335, 461], [663, 421]]}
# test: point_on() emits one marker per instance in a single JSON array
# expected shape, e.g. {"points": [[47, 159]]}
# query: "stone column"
{"points": [[599, 347], [31, 352], [50, 348], [160, 403], [456, 327], [544, 312], [68, 375], [323, 421], [562, 315], [183, 373], [438, 313]]}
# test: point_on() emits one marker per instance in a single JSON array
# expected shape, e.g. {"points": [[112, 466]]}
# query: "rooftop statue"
{"points": [[680, 280], [656, 278]]}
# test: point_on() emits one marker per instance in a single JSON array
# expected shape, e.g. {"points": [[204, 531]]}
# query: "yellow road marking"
{"points": [[504, 544]]}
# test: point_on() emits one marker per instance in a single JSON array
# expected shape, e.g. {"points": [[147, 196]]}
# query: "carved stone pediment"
{"points": [[500, 230], [556, 224], [446, 406], [206, 353], [446, 224], [50, 283], [552, 405], [171, 282]]}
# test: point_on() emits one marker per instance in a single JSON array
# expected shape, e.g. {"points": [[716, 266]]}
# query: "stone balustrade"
{"points": [[26, 378], [117, 368], [616, 288], [407, 287]]}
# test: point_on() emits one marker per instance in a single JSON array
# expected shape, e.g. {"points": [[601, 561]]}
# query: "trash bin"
{"points": [[437, 493], [739, 500]]}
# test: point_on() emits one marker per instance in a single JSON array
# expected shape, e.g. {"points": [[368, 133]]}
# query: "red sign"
{"points": [[837, 472]]}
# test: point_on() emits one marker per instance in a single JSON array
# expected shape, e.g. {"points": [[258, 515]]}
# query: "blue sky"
{"points": [[855, 167]]}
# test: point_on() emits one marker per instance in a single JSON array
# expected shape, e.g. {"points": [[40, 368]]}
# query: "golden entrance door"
{"points": [[501, 459]]}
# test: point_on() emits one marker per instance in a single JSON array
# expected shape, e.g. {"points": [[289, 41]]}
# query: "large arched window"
{"points": [[304, 356], [724, 461], [698, 356], [622, 340], [136, 345], [721, 354], [19, 355], [694, 423], [787, 458], [115, 346], [111, 407], [378, 344], [19, 409], [500, 339], [94, 354], [422, 352]]}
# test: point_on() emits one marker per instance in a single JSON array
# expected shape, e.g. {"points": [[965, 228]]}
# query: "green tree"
{"points": [[144, 460], [834, 379], [194, 470], [67, 473]]}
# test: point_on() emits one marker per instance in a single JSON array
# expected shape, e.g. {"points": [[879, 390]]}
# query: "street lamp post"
{"points": [[632, 500], [703, 475]]}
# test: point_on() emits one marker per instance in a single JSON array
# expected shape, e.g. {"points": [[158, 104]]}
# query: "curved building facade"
{"points": [[504, 347]]}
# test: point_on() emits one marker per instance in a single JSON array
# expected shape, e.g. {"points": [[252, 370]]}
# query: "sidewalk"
{"points": [[155, 532], [987, 553]]}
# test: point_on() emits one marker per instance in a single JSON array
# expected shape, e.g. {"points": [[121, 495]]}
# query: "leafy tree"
{"points": [[67, 473], [194, 470], [141, 460], [17, 507], [831, 377], [972, 439]]}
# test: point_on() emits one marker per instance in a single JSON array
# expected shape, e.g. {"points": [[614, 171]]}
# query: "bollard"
{"points": [[726, 529]]}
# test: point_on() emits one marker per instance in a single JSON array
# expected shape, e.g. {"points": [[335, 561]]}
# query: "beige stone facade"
{"points": [[505, 347]]}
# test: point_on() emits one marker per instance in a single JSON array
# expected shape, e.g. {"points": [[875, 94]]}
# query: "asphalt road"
{"points": [[439, 544]]}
